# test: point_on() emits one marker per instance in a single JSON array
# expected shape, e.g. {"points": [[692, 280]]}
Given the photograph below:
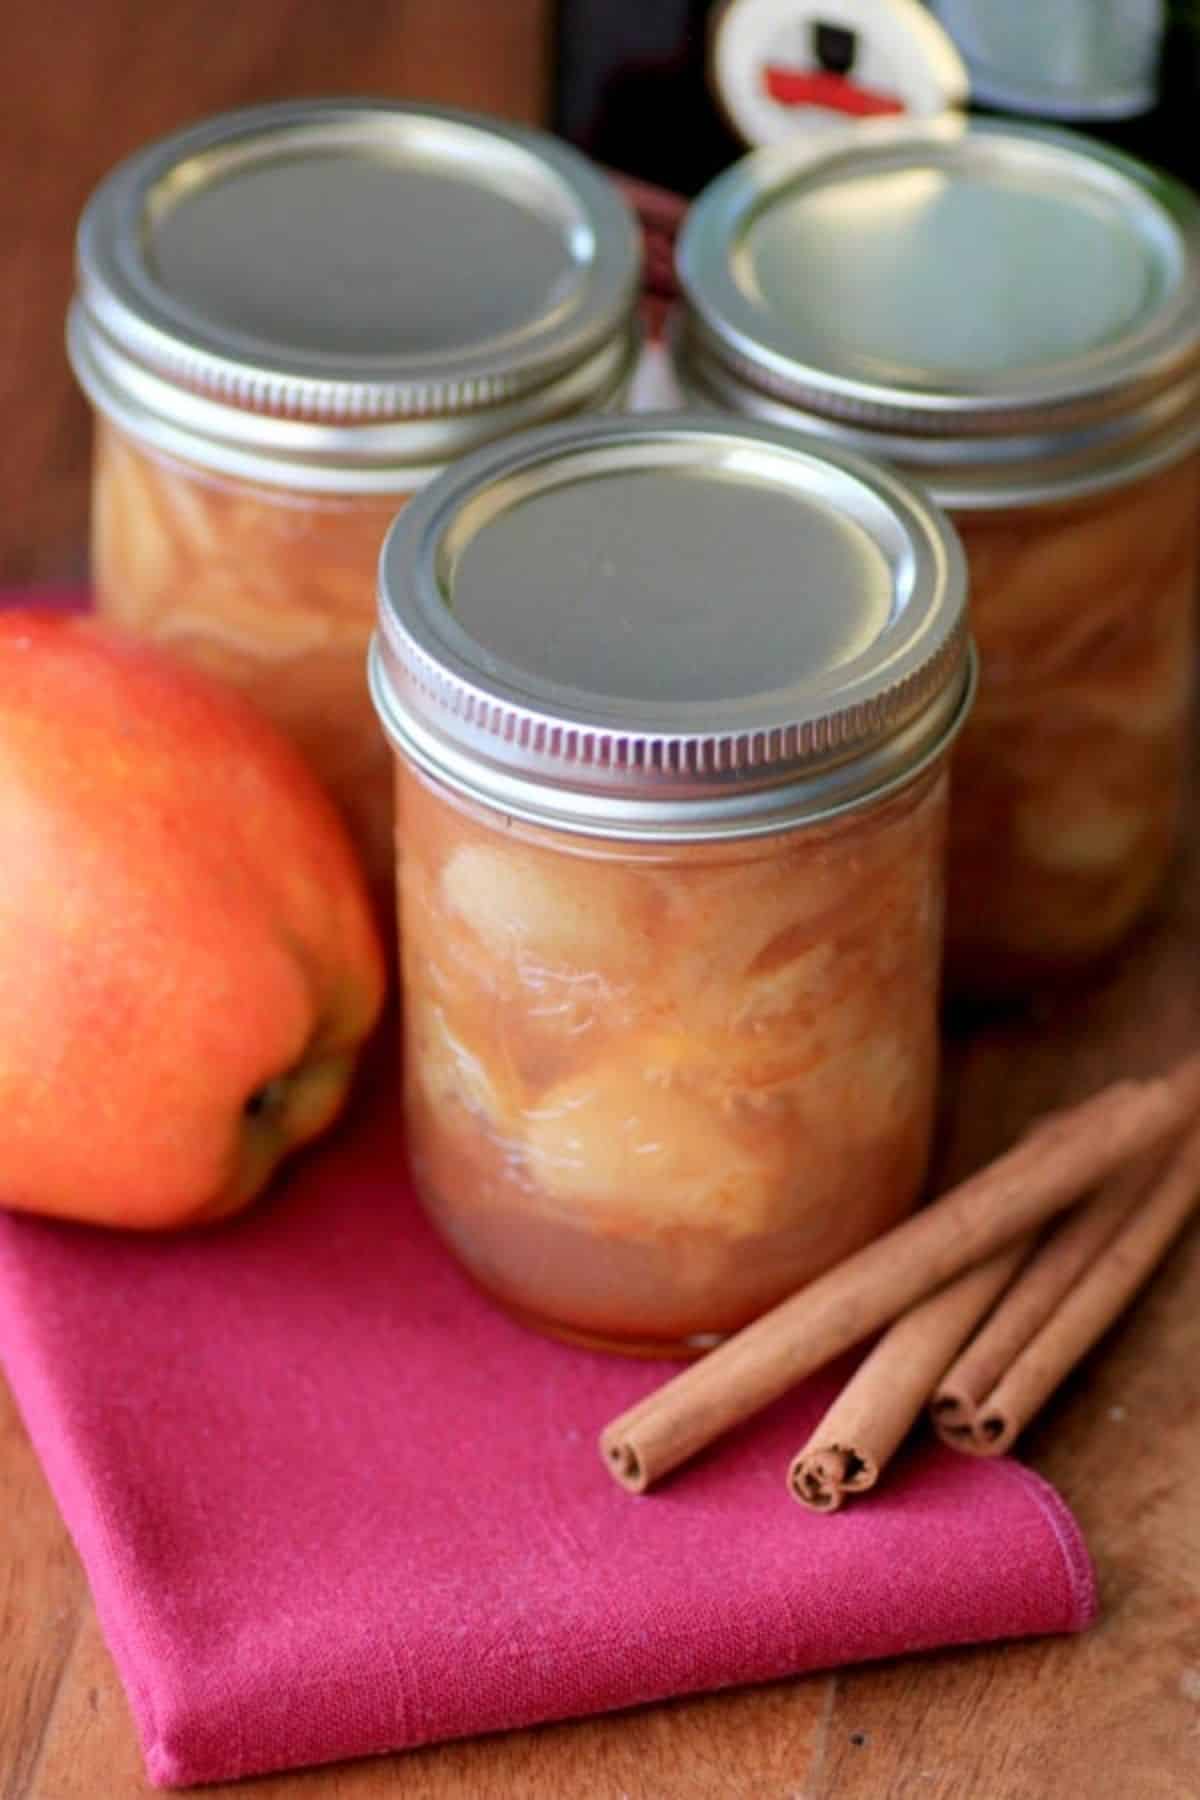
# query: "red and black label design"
{"points": [[781, 67]]}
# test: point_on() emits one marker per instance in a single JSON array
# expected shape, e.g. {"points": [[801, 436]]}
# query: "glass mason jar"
{"points": [[288, 319], [1011, 314], [671, 702]]}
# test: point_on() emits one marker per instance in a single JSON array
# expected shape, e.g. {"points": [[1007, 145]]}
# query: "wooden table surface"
{"points": [[1113, 1713], [1116, 1712]]}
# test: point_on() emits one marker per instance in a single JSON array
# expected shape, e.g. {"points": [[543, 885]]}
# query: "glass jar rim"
{"points": [[521, 663]]}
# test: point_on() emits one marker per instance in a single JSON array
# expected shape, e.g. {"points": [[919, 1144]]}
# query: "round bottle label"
{"points": [[782, 68]]}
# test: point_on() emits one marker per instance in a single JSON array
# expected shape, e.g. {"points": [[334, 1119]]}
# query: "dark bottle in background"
{"points": [[634, 87], [632, 90]]}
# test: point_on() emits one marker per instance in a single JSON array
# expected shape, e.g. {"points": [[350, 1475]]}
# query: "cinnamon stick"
{"points": [[1049, 1275], [1092, 1305], [874, 1412], [1062, 1157]]}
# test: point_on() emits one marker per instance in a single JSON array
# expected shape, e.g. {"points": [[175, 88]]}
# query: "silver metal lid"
{"points": [[339, 284], [670, 627], [1011, 311]]}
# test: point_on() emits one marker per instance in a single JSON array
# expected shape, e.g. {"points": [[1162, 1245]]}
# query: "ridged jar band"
{"points": [[707, 818], [668, 626], [392, 456]]}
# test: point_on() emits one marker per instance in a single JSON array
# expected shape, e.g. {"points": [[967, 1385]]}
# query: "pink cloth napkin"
{"points": [[331, 1501]]}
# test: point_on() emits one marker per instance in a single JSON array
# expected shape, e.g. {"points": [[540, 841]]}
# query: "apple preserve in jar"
{"points": [[1013, 315], [287, 319], [671, 703]]}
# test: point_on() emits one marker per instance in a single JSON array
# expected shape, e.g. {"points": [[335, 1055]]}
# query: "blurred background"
{"points": [[630, 81]]}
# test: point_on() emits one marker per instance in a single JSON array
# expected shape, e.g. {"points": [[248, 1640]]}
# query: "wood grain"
{"points": [[84, 83], [1116, 1712]]}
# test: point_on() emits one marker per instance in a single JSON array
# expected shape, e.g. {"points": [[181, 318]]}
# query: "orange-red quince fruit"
{"points": [[188, 958]]}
